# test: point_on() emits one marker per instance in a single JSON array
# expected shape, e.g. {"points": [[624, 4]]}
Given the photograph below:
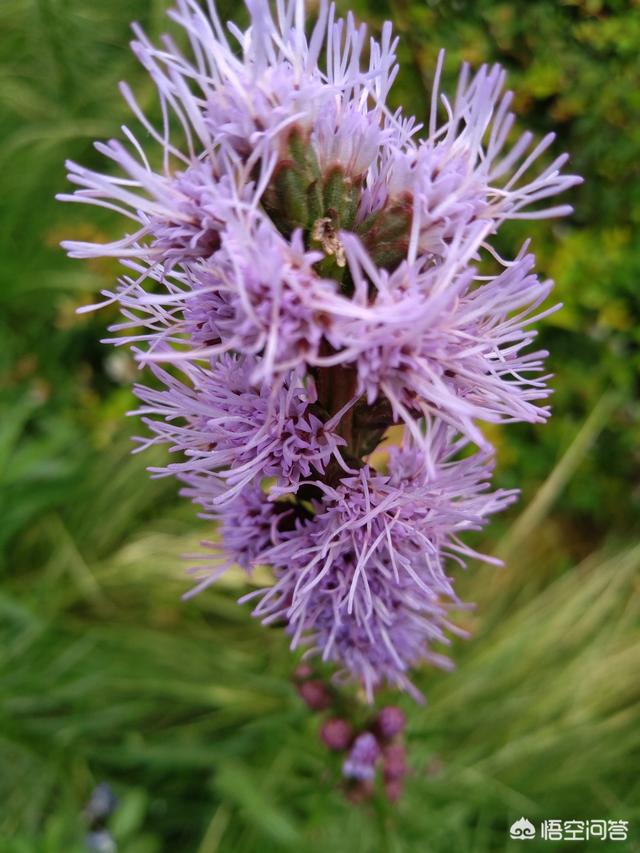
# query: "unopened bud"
{"points": [[391, 721], [315, 695], [395, 762], [302, 672], [336, 734]]}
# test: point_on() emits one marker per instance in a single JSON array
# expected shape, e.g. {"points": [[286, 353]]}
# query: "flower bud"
{"points": [[315, 695], [395, 762], [302, 672], [391, 721], [336, 734]]}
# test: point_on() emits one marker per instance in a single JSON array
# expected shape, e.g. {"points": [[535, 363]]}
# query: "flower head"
{"points": [[438, 341], [231, 431], [363, 581], [303, 270]]}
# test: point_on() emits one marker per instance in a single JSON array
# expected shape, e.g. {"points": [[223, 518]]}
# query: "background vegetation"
{"points": [[187, 710]]}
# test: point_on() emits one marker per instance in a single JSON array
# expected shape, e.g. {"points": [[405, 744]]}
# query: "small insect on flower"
{"points": [[305, 268]]}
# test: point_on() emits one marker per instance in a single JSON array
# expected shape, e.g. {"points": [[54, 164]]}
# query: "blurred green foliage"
{"points": [[186, 709]]}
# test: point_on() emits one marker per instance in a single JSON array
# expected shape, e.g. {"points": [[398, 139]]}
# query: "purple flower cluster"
{"points": [[231, 431], [363, 581], [367, 745], [307, 268]]}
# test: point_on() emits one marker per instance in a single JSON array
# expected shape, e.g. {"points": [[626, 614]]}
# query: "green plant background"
{"points": [[187, 709]]}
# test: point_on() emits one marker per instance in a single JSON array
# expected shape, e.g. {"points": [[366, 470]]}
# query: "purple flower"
{"points": [[361, 761], [315, 694], [100, 841], [363, 581], [247, 526], [301, 272], [395, 762], [463, 173], [437, 341], [102, 803], [336, 734], [259, 294], [232, 431], [391, 721]]}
